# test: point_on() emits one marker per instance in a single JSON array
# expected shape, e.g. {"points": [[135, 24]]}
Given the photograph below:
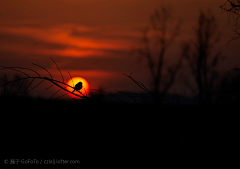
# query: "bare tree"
{"points": [[154, 49], [200, 60], [233, 7]]}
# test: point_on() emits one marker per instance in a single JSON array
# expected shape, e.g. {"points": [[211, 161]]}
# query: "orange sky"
{"points": [[93, 38]]}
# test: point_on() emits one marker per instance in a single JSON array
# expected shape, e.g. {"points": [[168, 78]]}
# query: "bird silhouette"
{"points": [[78, 86]]}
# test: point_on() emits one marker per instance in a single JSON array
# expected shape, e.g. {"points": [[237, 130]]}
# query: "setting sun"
{"points": [[84, 87]]}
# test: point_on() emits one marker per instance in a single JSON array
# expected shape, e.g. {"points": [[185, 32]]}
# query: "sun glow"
{"points": [[75, 80]]}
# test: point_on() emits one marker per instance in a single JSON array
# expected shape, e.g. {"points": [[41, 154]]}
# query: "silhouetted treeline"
{"points": [[202, 61]]}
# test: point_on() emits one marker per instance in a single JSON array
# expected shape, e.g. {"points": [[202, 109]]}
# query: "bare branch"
{"points": [[15, 68], [233, 6], [27, 88], [35, 86], [44, 69], [55, 93], [139, 84], [71, 78], [58, 68]]}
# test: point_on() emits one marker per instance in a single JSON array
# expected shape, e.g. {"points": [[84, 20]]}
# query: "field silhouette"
{"points": [[98, 133]]}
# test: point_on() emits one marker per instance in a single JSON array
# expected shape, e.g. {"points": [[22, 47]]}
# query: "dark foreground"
{"points": [[116, 134]]}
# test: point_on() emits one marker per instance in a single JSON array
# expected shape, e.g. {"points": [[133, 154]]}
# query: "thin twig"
{"points": [[58, 68], [44, 69], [54, 93], [50, 86], [14, 69], [2, 79], [10, 88], [27, 87], [35, 86], [20, 86], [71, 78], [4, 67], [139, 84]]}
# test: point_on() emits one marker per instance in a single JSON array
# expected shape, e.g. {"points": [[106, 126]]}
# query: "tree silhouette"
{"points": [[153, 49], [198, 56], [233, 7]]}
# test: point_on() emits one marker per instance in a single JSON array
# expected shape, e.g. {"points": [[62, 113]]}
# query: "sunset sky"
{"points": [[93, 38]]}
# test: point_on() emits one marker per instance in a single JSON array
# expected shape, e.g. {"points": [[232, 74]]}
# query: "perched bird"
{"points": [[78, 86]]}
